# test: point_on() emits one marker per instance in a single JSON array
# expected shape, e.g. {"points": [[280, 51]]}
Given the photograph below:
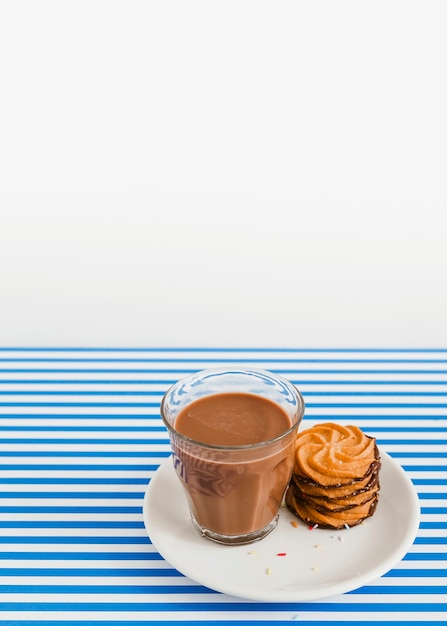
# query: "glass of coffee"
{"points": [[232, 434]]}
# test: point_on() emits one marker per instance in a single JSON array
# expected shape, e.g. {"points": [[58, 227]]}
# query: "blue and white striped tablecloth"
{"points": [[81, 436]]}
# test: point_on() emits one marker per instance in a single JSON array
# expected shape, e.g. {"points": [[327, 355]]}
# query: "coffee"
{"points": [[243, 495], [232, 419]]}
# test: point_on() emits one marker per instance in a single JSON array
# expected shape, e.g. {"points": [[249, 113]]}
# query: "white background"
{"points": [[224, 173]]}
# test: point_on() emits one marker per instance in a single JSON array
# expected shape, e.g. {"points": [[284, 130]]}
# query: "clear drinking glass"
{"points": [[234, 492]]}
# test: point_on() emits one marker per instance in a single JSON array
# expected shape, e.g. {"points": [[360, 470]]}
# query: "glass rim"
{"points": [[248, 446]]}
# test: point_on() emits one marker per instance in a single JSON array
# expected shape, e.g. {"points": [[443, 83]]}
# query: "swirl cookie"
{"points": [[335, 480]]}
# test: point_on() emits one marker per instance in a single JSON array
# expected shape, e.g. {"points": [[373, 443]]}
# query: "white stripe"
{"points": [[239, 355], [177, 581], [48, 548], [424, 474], [75, 411], [390, 377], [390, 410], [432, 489], [158, 389], [106, 565], [92, 447], [87, 435], [127, 421], [420, 565], [406, 581], [371, 616], [60, 388], [429, 548], [369, 423], [70, 487], [75, 517], [149, 460], [72, 502], [81, 473], [74, 532], [431, 532], [183, 364], [58, 617], [297, 373]]}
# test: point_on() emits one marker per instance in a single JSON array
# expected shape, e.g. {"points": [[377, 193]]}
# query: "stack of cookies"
{"points": [[335, 480]]}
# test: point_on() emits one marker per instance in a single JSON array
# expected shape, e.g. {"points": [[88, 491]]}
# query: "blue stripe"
{"points": [[385, 417], [160, 394], [182, 370], [90, 441], [425, 556], [83, 416], [87, 571], [342, 383], [167, 382], [418, 455], [429, 481], [410, 429], [111, 589], [156, 416], [420, 442], [342, 393], [432, 496], [72, 524], [193, 589], [399, 589], [373, 405], [87, 454], [81, 556], [80, 466], [106, 540], [84, 370], [321, 405], [233, 361], [85, 429], [129, 510], [416, 573], [232, 622], [97, 393], [425, 468], [97, 495], [157, 429], [26, 480], [86, 404], [89, 381], [215, 349]]}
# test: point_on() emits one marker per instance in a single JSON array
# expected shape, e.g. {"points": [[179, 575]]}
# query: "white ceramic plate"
{"points": [[317, 564]]}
